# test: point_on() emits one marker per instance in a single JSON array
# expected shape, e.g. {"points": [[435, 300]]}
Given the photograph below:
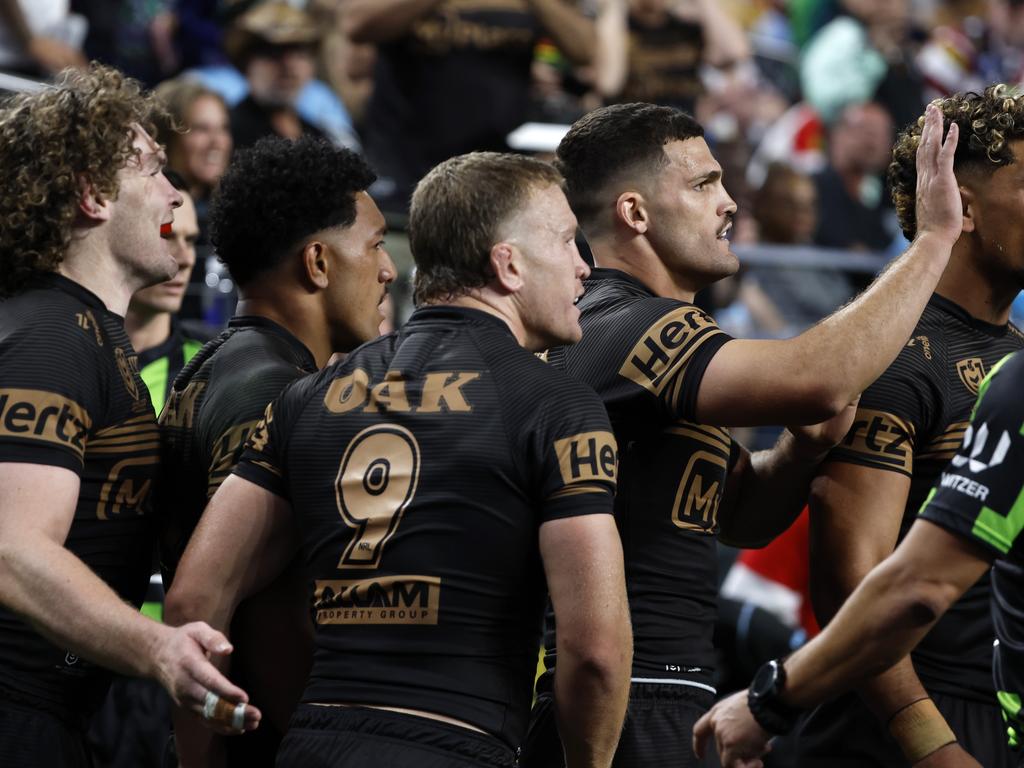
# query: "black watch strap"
{"points": [[764, 698]]}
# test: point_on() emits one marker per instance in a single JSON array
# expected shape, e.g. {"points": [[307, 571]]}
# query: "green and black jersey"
{"points": [[645, 357], [419, 472], [215, 402], [911, 420], [71, 397], [160, 365], [980, 497]]}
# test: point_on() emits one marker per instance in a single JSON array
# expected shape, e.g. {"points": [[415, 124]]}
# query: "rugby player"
{"points": [[649, 197], [304, 242], [434, 482], [83, 203], [909, 423], [970, 521]]}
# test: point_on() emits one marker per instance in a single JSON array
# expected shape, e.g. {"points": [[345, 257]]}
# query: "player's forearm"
{"points": [[852, 347], [725, 42], [573, 33], [771, 493], [881, 622], [380, 21], [611, 29], [37, 574], [591, 692]]}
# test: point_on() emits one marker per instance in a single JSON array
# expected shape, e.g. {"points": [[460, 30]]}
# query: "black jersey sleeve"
{"points": [[263, 457], [646, 357], [576, 454], [980, 495], [52, 388], [894, 416]]}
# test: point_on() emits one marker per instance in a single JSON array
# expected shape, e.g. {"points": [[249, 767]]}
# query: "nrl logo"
{"points": [[971, 372]]}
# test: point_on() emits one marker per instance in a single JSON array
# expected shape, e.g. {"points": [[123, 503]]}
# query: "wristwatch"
{"points": [[765, 702]]}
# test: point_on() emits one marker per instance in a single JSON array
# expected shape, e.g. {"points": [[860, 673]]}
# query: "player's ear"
{"points": [[507, 265], [968, 200], [315, 265], [631, 211], [91, 204]]}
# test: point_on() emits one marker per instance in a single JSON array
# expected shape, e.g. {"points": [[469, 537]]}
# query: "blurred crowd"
{"points": [[801, 99]]}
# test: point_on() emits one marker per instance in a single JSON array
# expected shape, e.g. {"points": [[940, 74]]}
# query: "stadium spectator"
{"points": [[452, 77], [274, 46], [40, 38]]}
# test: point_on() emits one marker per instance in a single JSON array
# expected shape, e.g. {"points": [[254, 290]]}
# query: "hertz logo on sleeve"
{"points": [[881, 439], [667, 347], [47, 417], [587, 457], [381, 600]]}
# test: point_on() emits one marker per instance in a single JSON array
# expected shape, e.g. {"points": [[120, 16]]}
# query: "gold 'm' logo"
{"points": [[700, 492], [971, 371]]}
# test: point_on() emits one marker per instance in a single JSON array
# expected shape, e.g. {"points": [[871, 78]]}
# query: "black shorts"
{"points": [[845, 734], [30, 738], [658, 730], [359, 737]]}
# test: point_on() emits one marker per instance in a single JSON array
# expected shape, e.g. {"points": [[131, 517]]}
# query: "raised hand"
{"points": [[939, 209]]}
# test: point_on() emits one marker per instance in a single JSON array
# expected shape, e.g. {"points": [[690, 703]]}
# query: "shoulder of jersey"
{"points": [[53, 321]]}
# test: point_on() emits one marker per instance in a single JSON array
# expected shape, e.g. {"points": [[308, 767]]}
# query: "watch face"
{"points": [[763, 683]]}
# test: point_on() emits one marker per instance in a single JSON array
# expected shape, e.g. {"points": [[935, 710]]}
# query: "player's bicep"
{"points": [[244, 539], [36, 499], [856, 513]]}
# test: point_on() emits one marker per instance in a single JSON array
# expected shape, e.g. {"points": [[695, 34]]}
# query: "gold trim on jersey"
{"points": [[944, 446], [577, 490], [135, 435], [225, 452], [587, 457], [716, 437], [880, 438], [658, 359], [378, 600], [48, 417]]}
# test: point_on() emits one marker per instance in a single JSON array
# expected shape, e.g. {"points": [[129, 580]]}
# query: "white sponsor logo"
{"points": [[979, 439]]}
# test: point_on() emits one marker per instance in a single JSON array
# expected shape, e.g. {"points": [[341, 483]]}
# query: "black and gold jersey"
{"points": [[911, 420], [71, 397], [214, 404], [980, 496], [419, 472], [645, 357]]}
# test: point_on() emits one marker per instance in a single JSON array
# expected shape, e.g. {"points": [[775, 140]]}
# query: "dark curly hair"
{"points": [[275, 193], [988, 122], [604, 144], [50, 141], [455, 215]]}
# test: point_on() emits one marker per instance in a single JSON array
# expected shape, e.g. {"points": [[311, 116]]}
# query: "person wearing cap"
{"points": [[274, 46]]}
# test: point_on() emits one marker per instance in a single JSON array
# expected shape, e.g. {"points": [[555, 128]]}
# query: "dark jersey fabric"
{"points": [[645, 357], [458, 80], [214, 404], [71, 397], [911, 421], [980, 496], [419, 471]]}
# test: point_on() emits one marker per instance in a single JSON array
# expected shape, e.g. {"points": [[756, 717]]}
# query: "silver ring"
{"points": [[210, 705], [238, 717]]}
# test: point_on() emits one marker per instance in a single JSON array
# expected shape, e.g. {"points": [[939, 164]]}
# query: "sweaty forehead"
{"points": [[691, 156]]}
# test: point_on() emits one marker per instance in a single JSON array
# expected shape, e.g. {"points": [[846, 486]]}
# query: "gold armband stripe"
{"points": [[920, 729]]}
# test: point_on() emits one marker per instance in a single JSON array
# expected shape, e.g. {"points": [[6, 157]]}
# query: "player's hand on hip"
{"points": [[194, 683], [740, 740], [949, 756], [939, 209]]}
